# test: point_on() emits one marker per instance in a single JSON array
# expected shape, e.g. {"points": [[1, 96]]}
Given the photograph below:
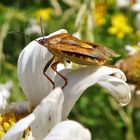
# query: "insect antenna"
{"points": [[41, 26], [16, 32], [42, 30]]}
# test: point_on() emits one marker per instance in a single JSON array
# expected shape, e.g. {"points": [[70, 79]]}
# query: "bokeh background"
{"points": [[114, 23]]}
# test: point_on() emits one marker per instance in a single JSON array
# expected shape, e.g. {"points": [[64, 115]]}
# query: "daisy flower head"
{"points": [[50, 107]]}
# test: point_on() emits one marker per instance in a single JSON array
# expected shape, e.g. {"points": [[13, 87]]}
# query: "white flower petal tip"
{"points": [[54, 33], [8, 85], [60, 67], [69, 130], [4, 89], [131, 50], [77, 35], [55, 94], [4, 107], [117, 88], [58, 32], [136, 7], [47, 114], [79, 80], [122, 3]]}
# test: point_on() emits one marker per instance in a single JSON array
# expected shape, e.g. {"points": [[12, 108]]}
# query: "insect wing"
{"points": [[102, 51], [70, 44]]}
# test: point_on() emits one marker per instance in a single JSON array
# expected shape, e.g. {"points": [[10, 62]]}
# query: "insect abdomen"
{"points": [[83, 59]]}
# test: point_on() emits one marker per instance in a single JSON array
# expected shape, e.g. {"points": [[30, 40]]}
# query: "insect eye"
{"points": [[94, 45], [42, 41]]}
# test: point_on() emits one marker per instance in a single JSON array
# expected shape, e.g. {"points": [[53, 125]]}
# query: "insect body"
{"points": [[65, 47]]}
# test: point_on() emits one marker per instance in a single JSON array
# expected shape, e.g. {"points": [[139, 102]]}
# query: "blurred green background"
{"points": [[103, 21]]}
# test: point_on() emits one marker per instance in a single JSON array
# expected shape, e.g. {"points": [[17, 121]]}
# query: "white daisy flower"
{"points": [[52, 107]]}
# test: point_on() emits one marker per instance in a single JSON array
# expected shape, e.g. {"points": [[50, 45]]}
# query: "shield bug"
{"points": [[65, 47]]}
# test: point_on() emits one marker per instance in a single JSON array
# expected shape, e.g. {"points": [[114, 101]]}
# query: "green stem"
{"points": [[127, 119], [3, 34], [89, 29], [130, 129]]}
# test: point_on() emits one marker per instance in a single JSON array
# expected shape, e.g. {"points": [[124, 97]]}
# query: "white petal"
{"points": [[8, 85], [47, 114], [5, 92], [15, 133], [118, 89], [4, 106], [136, 7], [54, 33], [131, 50], [43, 118], [60, 67], [122, 3], [31, 63], [69, 130], [81, 79], [4, 89], [77, 35]]}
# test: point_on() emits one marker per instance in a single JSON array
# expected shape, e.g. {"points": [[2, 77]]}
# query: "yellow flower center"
{"points": [[7, 121]]}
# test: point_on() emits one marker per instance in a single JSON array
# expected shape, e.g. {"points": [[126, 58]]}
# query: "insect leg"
{"points": [[45, 69], [53, 66]]}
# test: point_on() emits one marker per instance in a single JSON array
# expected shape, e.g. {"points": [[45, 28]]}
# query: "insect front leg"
{"points": [[53, 66], [45, 69]]}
